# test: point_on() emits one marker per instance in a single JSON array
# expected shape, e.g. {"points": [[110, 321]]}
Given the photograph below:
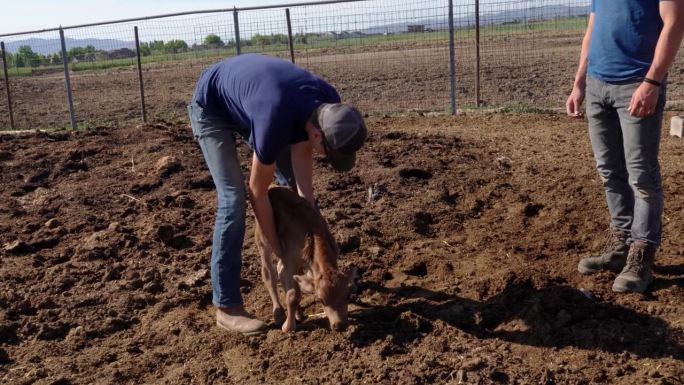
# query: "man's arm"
{"points": [[260, 179], [645, 98], [672, 13], [302, 166], [574, 103]]}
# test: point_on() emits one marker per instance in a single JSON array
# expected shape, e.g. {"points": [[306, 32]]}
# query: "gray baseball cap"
{"points": [[344, 133]]}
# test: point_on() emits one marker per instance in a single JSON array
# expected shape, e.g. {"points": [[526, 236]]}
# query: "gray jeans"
{"points": [[626, 152]]}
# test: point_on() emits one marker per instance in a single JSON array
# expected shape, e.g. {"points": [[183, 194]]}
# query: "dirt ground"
{"points": [[467, 231]]}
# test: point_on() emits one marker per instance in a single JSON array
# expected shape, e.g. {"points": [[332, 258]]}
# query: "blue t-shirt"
{"points": [[270, 97], [624, 38]]}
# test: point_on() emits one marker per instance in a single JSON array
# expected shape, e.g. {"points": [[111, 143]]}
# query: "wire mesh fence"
{"points": [[385, 56], [390, 59]]}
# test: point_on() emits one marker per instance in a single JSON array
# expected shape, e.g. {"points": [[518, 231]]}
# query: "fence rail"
{"points": [[383, 55]]}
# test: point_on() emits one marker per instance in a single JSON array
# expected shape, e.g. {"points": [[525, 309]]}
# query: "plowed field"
{"points": [[466, 230]]}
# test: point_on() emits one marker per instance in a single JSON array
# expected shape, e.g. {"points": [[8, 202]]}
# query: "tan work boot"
{"points": [[613, 256], [638, 271], [236, 319]]}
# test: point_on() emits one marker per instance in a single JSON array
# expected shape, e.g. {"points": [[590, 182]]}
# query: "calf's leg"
{"points": [[269, 277], [292, 296]]}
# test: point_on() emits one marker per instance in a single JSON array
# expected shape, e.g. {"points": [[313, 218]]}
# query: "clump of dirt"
{"points": [[466, 232]]}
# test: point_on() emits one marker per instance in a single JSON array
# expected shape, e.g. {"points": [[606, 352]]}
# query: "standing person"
{"points": [[626, 53], [286, 114]]}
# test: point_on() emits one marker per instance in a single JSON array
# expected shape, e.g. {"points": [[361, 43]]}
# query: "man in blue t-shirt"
{"points": [[286, 114], [626, 53]]}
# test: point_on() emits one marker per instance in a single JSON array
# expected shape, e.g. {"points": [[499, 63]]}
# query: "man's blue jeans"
{"points": [[626, 152], [216, 137]]}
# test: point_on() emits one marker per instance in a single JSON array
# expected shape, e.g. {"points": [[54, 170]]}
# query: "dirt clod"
{"points": [[165, 233], [196, 278], [16, 247], [167, 165], [473, 364], [53, 223], [4, 357]]}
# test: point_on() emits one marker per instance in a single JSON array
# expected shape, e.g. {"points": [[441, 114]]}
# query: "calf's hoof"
{"points": [[339, 326], [288, 327], [279, 316]]}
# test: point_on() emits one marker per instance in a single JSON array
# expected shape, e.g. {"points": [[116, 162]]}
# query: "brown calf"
{"points": [[309, 261]]}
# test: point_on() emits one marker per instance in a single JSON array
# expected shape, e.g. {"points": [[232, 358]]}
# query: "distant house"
{"points": [[121, 53], [331, 35], [416, 28]]}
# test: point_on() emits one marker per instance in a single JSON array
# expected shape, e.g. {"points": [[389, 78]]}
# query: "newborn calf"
{"points": [[308, 264]]}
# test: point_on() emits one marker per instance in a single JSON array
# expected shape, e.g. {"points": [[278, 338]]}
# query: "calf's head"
{"points": [[332, 288]]}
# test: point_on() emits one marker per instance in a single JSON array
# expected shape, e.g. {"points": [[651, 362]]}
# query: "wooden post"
{"points": [[477, 53], [140, 76], [289, 34], [236, 24], [452, 57], [7, 84], [67, 80]]}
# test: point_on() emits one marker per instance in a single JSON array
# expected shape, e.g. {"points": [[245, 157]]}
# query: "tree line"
{"points": [[26, 57]]}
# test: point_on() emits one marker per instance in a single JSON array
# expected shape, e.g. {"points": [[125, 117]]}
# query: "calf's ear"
{"points": [[352, 276], [305, 283]]}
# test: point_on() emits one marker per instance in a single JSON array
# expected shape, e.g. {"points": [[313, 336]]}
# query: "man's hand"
{"points": [[574, 103], [644, 100]]}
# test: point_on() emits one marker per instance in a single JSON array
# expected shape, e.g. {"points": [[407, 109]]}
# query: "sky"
{"points": [[36, 15], [33, 15], [29, 15]]}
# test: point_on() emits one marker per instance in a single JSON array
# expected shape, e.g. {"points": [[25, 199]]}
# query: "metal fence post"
{"points": [[236, 23], [7, 84], [477, 53], [452, 57], [289, 34], [140, 76], [67, 80]]}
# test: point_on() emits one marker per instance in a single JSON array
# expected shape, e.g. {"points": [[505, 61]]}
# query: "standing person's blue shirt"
{"points": [[270, 97], [624, 35]]}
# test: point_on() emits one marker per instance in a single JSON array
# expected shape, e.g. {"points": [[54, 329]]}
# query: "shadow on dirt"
{"points": [[669, 275], [555, 316]]}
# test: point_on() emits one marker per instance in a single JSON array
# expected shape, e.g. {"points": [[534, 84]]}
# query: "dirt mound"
{"points": [[466, 232]]}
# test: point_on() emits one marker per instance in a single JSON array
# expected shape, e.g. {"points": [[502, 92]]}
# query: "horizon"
{"points": [[24, 18]]}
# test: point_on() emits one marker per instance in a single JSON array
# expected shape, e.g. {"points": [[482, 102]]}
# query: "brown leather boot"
{"points": [[612, 257], [637, 274], [237, 319]]}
